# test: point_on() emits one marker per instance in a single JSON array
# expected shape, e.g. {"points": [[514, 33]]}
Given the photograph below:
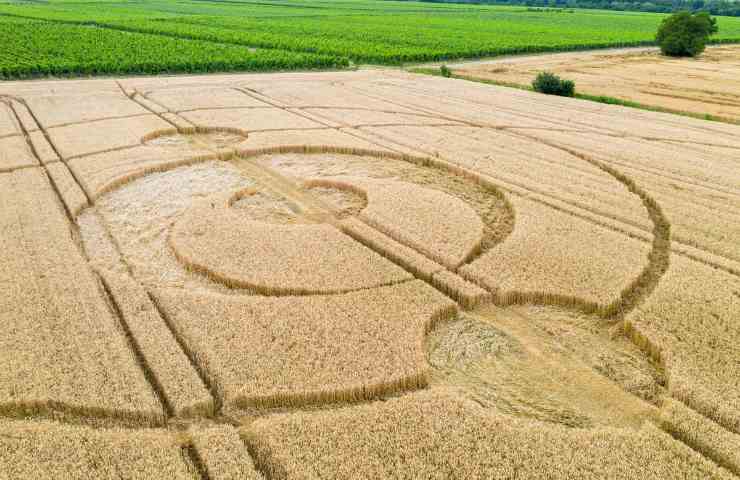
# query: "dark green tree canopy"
{"points": [[684, 34], [551, 84]]}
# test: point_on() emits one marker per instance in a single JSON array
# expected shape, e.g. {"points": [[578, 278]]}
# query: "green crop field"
{"points": [[68, 37]]}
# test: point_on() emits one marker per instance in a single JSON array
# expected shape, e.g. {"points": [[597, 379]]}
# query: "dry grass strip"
{"points": [[62, 348], [183, 391], [223, 454], [292, 351], [437, 435], [72, 195], [53, 451], [702, 434], [272, 259]]}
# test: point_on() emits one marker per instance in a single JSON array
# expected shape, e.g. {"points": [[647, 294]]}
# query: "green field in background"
{"points": [[72, 37]]}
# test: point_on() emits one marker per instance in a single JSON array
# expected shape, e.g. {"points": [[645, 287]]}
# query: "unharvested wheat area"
{"points": [[360, 275]]}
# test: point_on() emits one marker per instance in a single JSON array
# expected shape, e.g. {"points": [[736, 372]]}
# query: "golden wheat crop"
{"points": [[407, 257], [72, 195], [702, 434], [179, 122], [223, 454], [182, 99], [265, 351], [437, 224], [148, 104], [15, 153], [103, 172], [520, 164], [104, 135], [347, 117], [252, 119], [53, 451], [437, 435], [561, 259], [170, 371], [690, 325], [695, 186], [311, 327], [55, 110], [42, 147], [276, 259], [463, 292], [24, 116], [8, 122], [61, 346], [267, 140]]}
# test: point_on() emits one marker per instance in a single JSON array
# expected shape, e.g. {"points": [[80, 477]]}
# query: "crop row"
{"points": [[35, 48], [386, 35]]}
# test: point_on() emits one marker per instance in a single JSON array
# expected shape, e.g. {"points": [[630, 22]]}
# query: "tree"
{"points": [[685, 35], [551, 84]]}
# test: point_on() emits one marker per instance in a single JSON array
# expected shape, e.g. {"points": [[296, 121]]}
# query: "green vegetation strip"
{"points": [[294, 34], [32, 49]]}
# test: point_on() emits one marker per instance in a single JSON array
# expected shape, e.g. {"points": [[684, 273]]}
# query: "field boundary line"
{"points": [[22, 167], [95, 120], [207, 109], [132, 97], [9, 135], [192, 454]]}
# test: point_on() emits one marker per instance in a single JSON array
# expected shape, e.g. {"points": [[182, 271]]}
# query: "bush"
{"points": [[685, 35], [551, 84], [445, 71]]}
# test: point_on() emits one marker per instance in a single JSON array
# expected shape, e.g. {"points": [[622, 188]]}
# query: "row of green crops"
{"points": [[36, 48], [207, 35]]}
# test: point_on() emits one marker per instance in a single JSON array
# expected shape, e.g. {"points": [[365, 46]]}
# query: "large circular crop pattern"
{"points": [[262, 277], [283, 226]]}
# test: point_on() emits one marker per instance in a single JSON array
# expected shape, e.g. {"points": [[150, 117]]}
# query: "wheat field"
{"points": [[366, 274]]}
